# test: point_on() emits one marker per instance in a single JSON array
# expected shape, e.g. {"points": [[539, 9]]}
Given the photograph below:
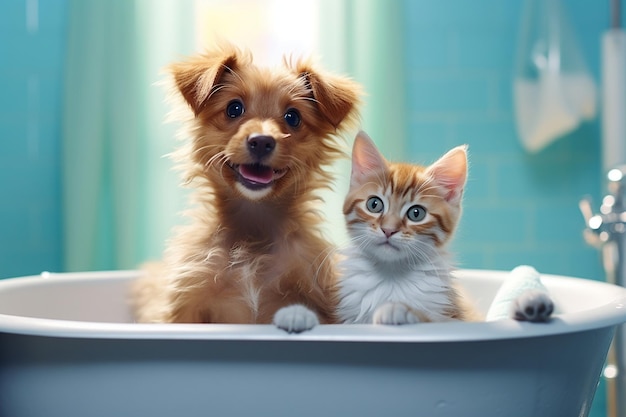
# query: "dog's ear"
{"points": [[337, 97], [197, 77]]}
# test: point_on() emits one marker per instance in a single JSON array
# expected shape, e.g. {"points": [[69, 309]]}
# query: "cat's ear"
{"points": [[365, 159], [450, 171]]}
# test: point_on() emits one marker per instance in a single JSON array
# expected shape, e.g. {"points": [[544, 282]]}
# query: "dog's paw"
{"points": [[394, 313], [295, 318], [533, 306]]}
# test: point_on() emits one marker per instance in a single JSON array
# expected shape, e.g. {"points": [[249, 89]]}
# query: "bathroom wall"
{"points": [[32, 42], [519, 208]]}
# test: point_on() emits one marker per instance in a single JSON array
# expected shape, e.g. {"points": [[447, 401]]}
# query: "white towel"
{"points": [[521, 279]]}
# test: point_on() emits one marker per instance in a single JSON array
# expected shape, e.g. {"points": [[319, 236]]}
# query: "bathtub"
{"points": [[68, 347]]}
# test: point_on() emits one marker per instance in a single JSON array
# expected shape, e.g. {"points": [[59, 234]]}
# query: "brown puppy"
{"points": [[259, 140]]}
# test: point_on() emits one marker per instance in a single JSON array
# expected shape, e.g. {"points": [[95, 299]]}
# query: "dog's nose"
{"points": [[261, 145]]}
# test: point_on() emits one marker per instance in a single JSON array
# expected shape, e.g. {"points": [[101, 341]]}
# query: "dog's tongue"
{"points": [[257, 173]]}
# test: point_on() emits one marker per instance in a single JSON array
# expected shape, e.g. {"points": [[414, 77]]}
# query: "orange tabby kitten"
{"points": [[400, 218]]}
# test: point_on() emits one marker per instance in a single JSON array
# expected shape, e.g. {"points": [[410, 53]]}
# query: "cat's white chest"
{"points": [[364, 288]]}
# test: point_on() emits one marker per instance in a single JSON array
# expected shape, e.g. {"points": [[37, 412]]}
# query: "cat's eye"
{"points": [[234, 109], [416, 213], [374, 204]]}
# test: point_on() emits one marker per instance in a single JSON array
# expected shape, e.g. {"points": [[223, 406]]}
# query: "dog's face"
{"points": [[263, 132]]}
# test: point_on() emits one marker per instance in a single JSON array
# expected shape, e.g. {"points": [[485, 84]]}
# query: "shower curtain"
{"points": [[118, 191], [365, 39]]}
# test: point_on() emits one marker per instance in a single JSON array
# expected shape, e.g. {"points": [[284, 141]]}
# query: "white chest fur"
{"points": [[365, 285]]}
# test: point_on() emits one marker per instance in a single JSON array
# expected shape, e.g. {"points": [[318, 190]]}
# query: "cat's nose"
{"points": [[389, 232]]}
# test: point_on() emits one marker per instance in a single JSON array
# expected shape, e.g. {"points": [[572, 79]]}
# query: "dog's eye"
{"points": [[292, 117], [234, 109]]}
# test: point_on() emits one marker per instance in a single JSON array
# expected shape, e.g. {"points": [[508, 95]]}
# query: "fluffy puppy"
{"points": [[256, 146]]}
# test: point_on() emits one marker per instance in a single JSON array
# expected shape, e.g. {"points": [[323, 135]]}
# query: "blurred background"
{"points": [[84, 184]]}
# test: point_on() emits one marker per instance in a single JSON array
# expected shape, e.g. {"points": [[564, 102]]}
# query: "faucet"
{"points": [[607, 232]]}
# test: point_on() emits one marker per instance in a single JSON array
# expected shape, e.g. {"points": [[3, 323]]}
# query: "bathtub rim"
{"points": [[607, 315]]}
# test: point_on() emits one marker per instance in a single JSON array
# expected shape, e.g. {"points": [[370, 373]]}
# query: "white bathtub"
{"points": [[68, 348]]}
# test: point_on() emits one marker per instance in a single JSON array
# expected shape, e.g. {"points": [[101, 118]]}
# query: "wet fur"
{"points": [[245, 254]]}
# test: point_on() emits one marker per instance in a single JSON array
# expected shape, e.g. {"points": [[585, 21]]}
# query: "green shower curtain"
{"points": [[365, 39], [120, 196]]}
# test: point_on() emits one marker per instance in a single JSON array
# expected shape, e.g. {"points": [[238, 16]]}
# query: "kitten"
{"points": [[400, 218]]}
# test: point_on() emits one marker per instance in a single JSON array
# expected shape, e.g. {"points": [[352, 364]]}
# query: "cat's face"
{"points": [[400, 211]]}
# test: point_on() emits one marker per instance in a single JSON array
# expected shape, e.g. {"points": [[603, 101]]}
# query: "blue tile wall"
{"points": [[32, 45], [519, 208]]}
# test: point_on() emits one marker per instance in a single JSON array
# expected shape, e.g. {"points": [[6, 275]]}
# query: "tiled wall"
{"points": [[519, 208], [32, 42]]}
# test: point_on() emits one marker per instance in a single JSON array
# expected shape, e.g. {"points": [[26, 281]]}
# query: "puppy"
{"points": [[258, 141]]}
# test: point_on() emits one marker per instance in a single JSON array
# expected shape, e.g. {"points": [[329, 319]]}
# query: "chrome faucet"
{"points": [[607, 231], [610, 224]]}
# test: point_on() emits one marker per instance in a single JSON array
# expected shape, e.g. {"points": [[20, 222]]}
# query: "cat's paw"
{"points": [[534, 306], [295, 318], [394, 313]]}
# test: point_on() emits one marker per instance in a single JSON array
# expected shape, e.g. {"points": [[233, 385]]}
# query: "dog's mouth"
{"points": [[257, 176]]}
